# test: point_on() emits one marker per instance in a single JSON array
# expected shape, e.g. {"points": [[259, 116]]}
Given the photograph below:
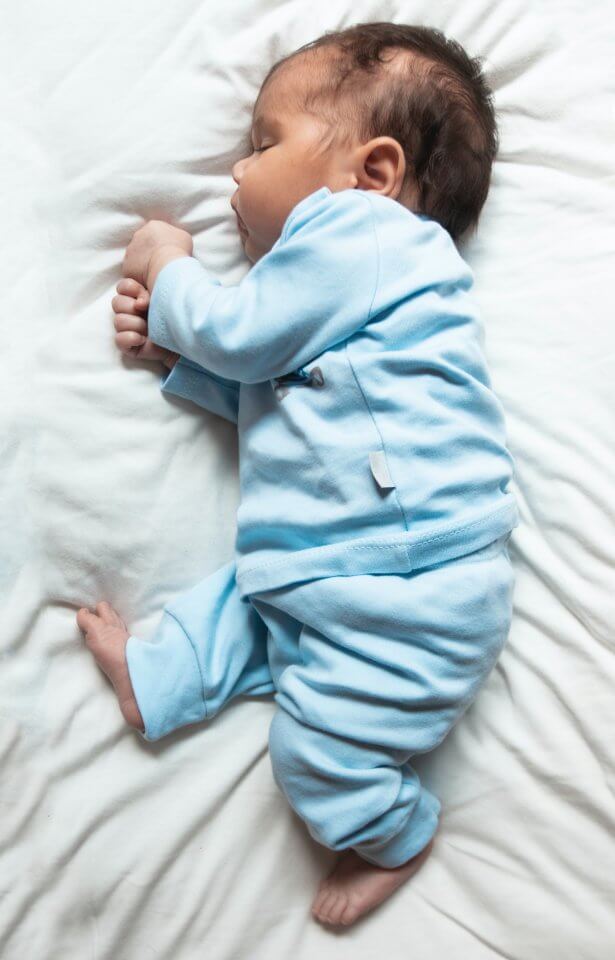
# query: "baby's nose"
{"points": [[237, 169]]}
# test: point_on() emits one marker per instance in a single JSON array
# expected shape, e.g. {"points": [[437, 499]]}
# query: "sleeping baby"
{"points": [[371, 588]]}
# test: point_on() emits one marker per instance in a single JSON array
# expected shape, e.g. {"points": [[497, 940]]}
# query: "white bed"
{"points": [[114, 848]]}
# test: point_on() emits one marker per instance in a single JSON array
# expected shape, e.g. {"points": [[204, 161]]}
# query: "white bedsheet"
{"points": [[113, 848]]}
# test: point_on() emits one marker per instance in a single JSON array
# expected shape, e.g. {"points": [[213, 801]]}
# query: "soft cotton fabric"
{"points": [[350, 356]]}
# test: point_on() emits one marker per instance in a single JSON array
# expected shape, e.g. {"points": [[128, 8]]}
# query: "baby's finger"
{"points": [[128, 340], [143, 351], [123, 304], [150, 351], [123, 321], [142, 301], [130, 287]]}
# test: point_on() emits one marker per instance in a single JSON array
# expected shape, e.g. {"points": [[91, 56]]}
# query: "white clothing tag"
{"points": [[380, 470]]}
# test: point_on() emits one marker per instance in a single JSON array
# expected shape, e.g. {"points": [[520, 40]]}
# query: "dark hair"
{"points": [[435, 103]]}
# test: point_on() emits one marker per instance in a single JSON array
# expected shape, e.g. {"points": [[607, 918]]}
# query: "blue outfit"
{"points": [[371, 589]]}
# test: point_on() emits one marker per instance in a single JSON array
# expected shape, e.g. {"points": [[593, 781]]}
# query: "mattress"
{"points": [[115, 848]]}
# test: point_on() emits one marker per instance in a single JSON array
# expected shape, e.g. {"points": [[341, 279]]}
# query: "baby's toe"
{"points": [[94, 629], [107, 613], [336, 911], [85, 619], [350, 912], [330, 907], [319, 899], [91, 625]]}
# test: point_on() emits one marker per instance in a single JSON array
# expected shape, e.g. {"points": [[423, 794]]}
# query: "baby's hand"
{"points": [[131, 324], [153, 244]]}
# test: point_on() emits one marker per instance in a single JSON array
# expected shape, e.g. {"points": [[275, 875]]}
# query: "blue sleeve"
{"points": [[192, 382], [313, 289]]}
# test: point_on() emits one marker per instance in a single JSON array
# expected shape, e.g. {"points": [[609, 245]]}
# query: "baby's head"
{"points": [[396, 109]]}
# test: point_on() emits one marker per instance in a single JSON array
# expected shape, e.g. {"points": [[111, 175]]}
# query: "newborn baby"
{"points": [[371, 590]]}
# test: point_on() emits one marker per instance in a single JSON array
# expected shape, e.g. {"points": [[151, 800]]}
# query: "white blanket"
{"points": [[123, 111]]}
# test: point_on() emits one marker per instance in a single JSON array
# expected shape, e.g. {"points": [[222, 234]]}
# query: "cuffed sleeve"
{"points": [[192, 382], [209, 647], [166, 680], [313, 289]]}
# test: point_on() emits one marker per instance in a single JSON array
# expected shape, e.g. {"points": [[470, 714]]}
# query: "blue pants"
{"points": [[366, 672]]}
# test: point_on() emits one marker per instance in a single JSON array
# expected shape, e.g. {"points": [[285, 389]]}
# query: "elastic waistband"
{"points": [[398, 553]]}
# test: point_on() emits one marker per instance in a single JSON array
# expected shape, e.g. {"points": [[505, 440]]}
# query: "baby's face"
{"points": [[286, 165]]}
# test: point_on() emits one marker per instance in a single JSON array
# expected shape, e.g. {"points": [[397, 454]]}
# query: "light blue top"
{"points": [[350, 357]]}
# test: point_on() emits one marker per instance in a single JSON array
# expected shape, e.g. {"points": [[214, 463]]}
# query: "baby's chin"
{"points": [[252, 255], [245, 243], [252, 249]]}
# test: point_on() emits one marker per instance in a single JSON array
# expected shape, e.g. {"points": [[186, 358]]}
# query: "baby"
{"points": [[371, 590]]}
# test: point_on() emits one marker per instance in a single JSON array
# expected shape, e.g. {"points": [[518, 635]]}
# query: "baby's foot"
{"points": [[106, 636], [356, 886]]}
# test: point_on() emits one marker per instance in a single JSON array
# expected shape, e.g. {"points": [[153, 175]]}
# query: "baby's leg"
{"points": [[209, 647], [387, 666]]}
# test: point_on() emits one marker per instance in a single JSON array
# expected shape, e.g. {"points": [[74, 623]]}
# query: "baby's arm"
{"points": [[185, 378], [312, 290]]}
